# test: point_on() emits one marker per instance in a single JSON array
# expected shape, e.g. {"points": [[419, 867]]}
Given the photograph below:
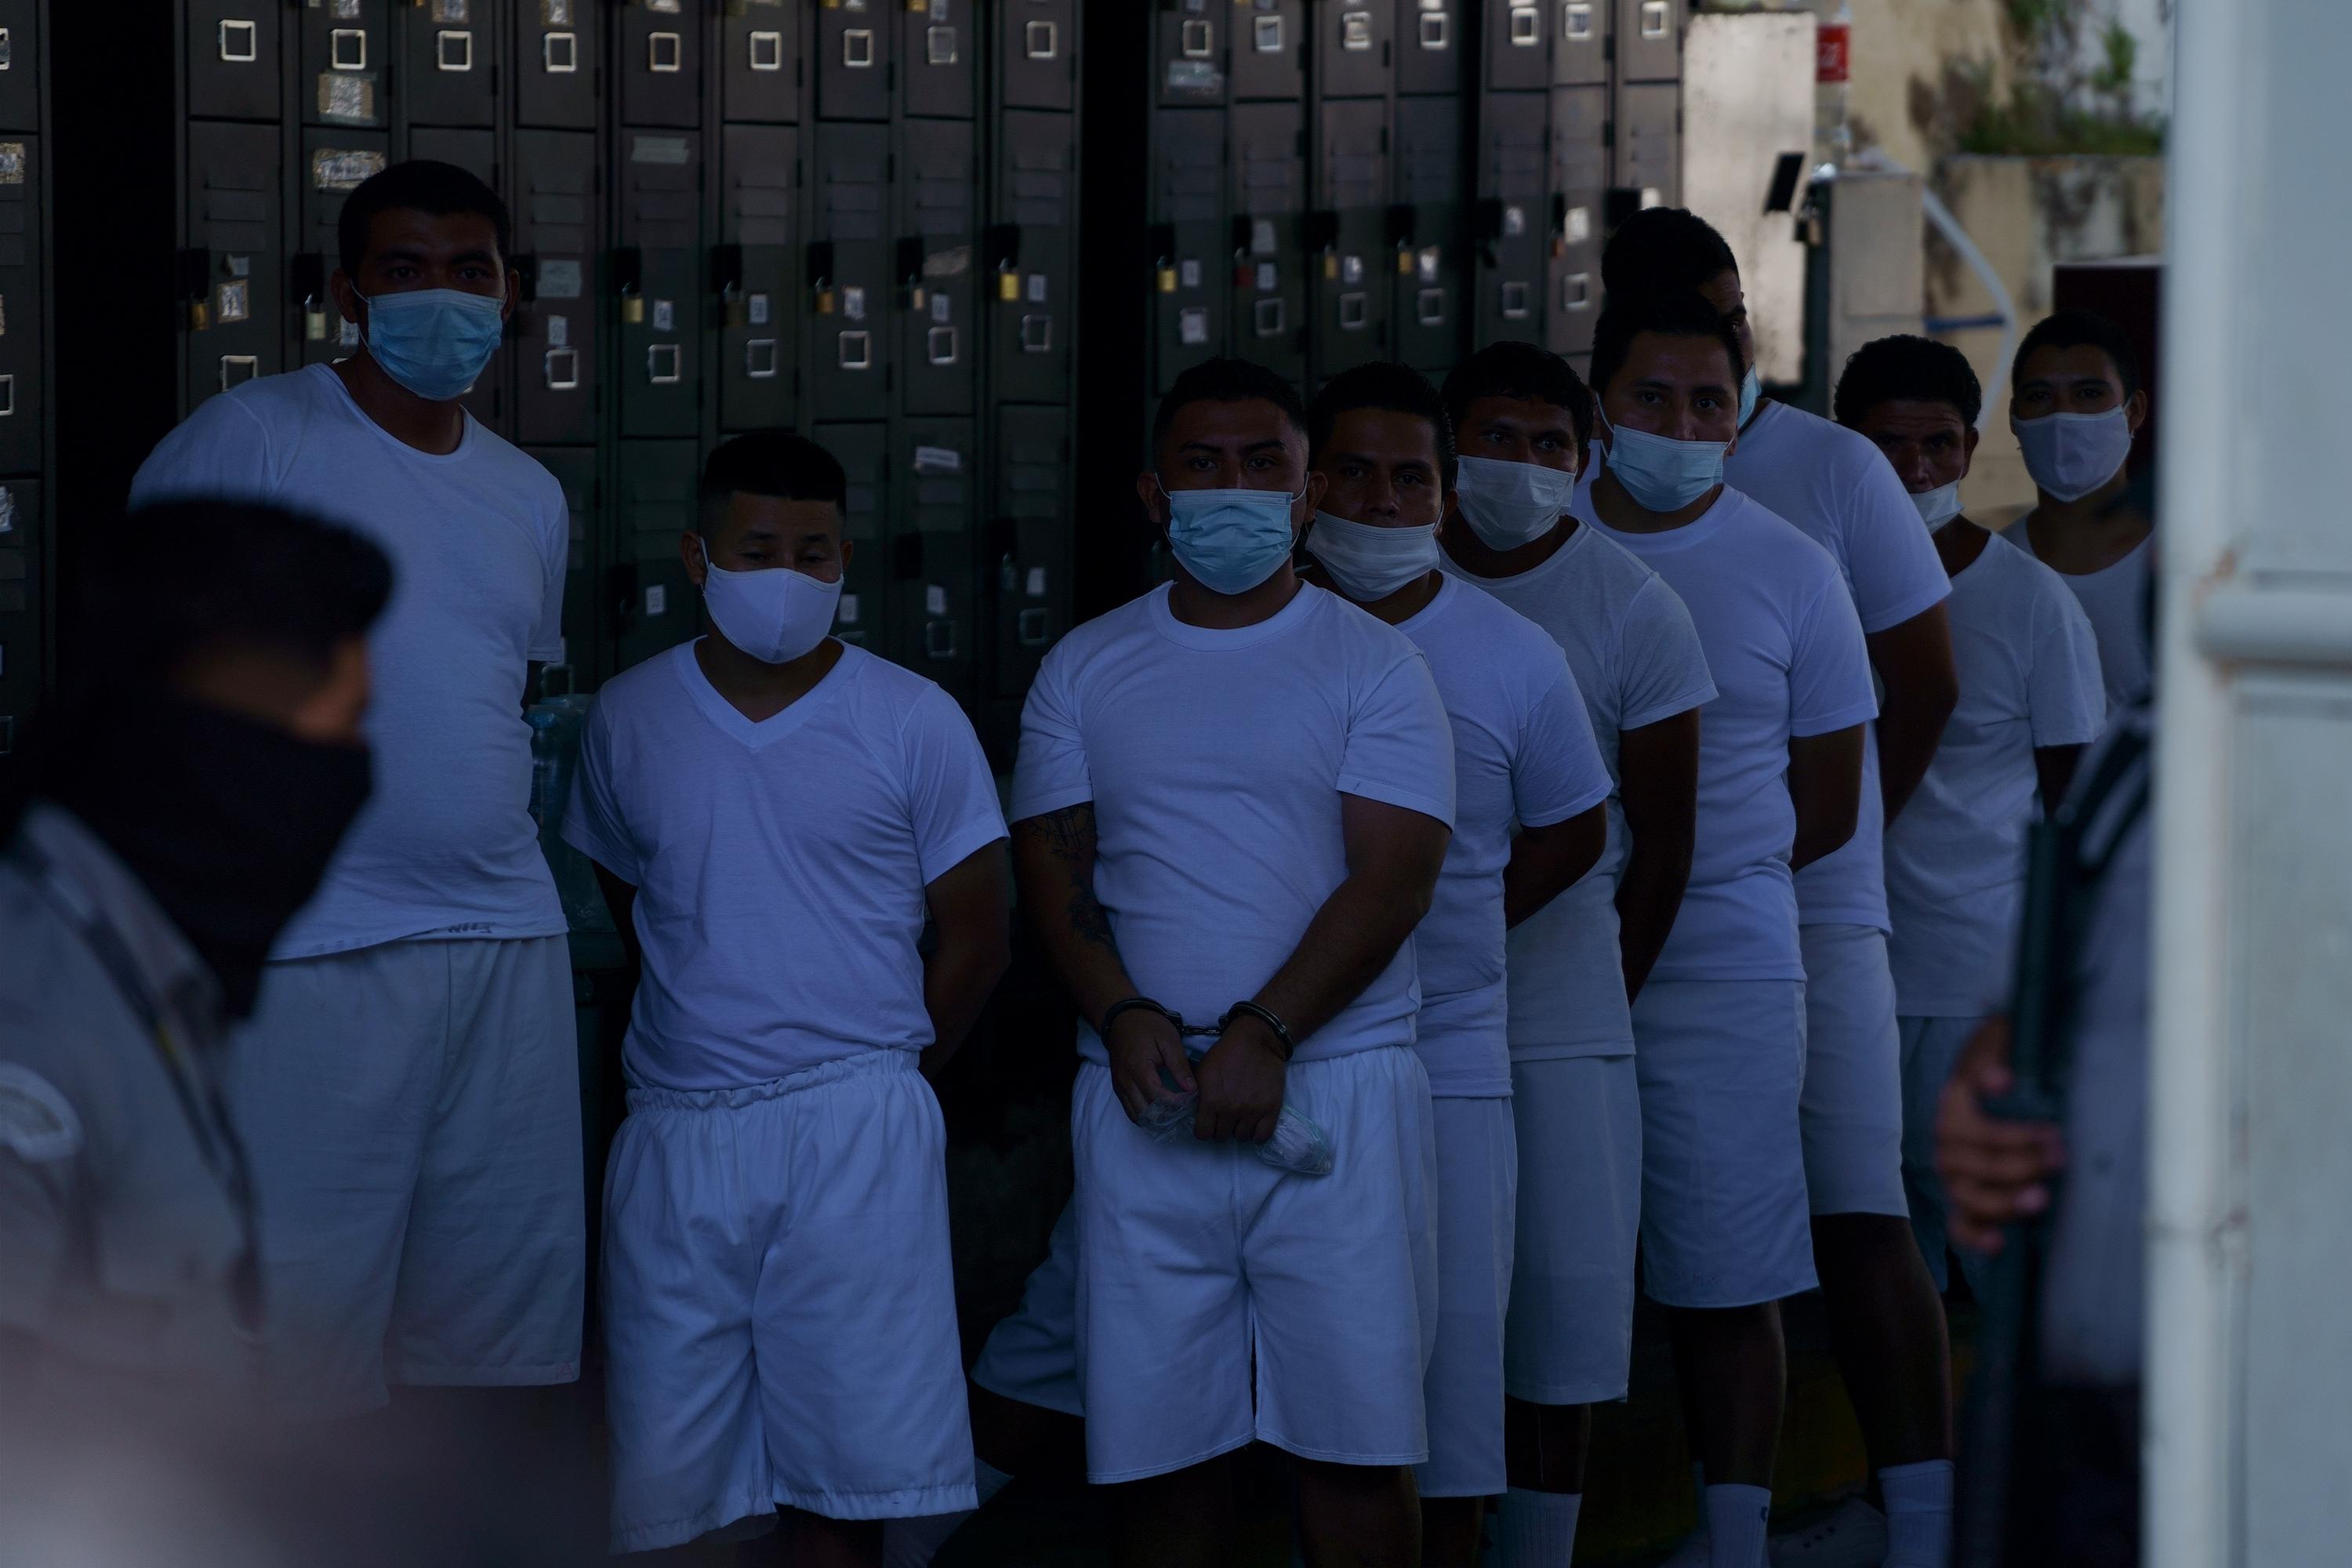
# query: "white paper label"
{"points": [[664, 315], [846, 613], [1037, 288], [1268, 279], [657, 599], [853, 303], [942, 308], [1037, 582], [756, 309], [935, 600], [1188, 272], [937, 460], [559, 331]]}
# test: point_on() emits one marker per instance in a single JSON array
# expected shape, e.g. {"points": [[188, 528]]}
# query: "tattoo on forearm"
{"points": [[1068, 836]]}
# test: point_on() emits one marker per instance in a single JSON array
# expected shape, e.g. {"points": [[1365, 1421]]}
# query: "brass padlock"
{"points": [[1331, 267], [824, 301], [200, 315], [633, 307], [1008, 285], [916, 299], [1167, 279], [314, 320], [1404, 262]]}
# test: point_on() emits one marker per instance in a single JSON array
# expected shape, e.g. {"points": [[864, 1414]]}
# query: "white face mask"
{"points": [[2070, 455], [1367, 561], [1511, 504], [1938, 506], [775, 615]]}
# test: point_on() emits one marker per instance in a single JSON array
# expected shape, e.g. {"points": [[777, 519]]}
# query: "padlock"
{"points": [[1008, 285], [1404, 261], [1331, 267], [632, 307], [200, 315], [737, 309], [824, 300], [314, 320], [918, 299], [1167, 276]]}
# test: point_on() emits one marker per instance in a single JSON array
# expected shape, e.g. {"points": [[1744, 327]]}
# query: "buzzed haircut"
{"points": [[1226, 380], [1668, 314], [1388, 388], [769, 463], [2071, 328], [1663, 249], [1522, 372], [1906, 368], [420, 184]]}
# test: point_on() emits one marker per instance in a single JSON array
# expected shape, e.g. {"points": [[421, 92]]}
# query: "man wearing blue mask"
{"points": [[2075, 401], [1721, 1024], [1233, 800], [409, 1087]]}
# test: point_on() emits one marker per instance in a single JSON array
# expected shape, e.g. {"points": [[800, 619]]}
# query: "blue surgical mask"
{"points": [[434, 341], [1509, 504], [775, 614], [1368, 563], [2070, 455], [1230, 541], [1662, 474], [1751, 392]]}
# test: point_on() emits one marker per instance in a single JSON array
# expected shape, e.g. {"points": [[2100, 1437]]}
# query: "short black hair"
{"points": [[420, 184], [1225, 381], [1912, 369], [1674, 314], [2076, 328], [770, 463], [1663, 249], [1389, 387], [1526, 372]]}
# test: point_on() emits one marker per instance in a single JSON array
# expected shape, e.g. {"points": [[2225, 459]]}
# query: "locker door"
{"points": [[933, 626], [334, 162], [757, 275], [938, 51], [1269, 274], [853, 60], [1037, 54], [653, 603], [345, 47], [1192, 269], [1189, 52], [476, 151], [1268, 49], [232, 58], [23, 311], [1649, 144], [1579, 187], [848, 335], [557, 63], [659, 281], [1351, 266], [759, 61], [1517, 44], [661, 63], [1649, 40], [574, 468], [1512, 213], [20, 48], [557, 230], [1027, 565], [936, 273], [1431, 44], [864, 451], [1031, 264], [231, 286], [452, 55], [1428, 260], [1355, 56], [1579, 49], [22, 539]]}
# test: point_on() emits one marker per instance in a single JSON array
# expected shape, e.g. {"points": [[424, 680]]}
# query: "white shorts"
{"points": [[1033, 1355], [1722, 1065], [411, 1115], [1221, 1301], [1853, 1107], [1477, 1177], [779, 1306], [1931, 1049], [1570, 1340]]}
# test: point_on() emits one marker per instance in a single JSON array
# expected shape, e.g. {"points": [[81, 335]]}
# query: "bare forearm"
{"points": [[1908, 734], [1548, 861], [957, 981], [1352, 938], [1053, 866], [1914, 661], [1649, 896]]}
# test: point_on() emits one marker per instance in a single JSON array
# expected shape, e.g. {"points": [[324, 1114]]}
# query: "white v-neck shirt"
{"points": [[780, 866]]}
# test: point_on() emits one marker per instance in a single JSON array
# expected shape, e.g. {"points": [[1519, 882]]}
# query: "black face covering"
{"points": [[228, 822]]}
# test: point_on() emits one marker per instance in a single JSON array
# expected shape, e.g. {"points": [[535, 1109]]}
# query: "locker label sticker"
{"points": [[1428, 263], [12, 163], [1261, 240], [1268, 278], [1037, 288], [853, 302], [952, 262], [664, 315], [1192, 327], [845, 611], [447, 11], [1197, 78], [559, 331], [659, 149], [347, 100], [343, 10], [1188, 272], [657, 599], [1577, 227], [757, 311], [1351, 269], [935, 600], [1036, 588], [942, 309], [560, 280], [344, 168], [667, 8], [1514, 222], [232, 302], [937, 460], [556, 13]]}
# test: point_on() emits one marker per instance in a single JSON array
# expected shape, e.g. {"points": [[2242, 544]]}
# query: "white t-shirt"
{"points": [[779, 867], [1215, 761], [1787, 657], [1524, 755], [1841, 492], [446, 846], [1637, 660], [2116, 598], [1955, 857]]}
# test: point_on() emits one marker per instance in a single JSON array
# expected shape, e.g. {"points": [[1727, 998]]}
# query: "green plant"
{"points": [[2054, 106]]}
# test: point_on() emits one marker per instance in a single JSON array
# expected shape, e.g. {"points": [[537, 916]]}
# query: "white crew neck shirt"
{"points": [[446, 846], [780, 866], [1215, 761], [1637, 661], [2029, 677], [2115, 599], [1787, 657], [1523, 755]]}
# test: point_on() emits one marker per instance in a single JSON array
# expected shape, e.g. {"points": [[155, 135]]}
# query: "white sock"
{"points": [[1537, 1530], [1919, 1514], [913, 1542], [1737, 1519]]}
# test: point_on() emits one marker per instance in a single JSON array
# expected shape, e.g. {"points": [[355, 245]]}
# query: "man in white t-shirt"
{"points": [[1721, 1023], [2031, 698], [1523, 759], [773, 815], [1574, 964], [2075, 401], [1233, 800], [1887, 1325], [409, 1087]]}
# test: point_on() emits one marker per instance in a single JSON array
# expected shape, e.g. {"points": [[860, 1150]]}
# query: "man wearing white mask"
{"points": [[1233, 800], [409, 1087], [772, 814], [1523, 423], [1721, 1023], [2075, 401], [1524, 757]]}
